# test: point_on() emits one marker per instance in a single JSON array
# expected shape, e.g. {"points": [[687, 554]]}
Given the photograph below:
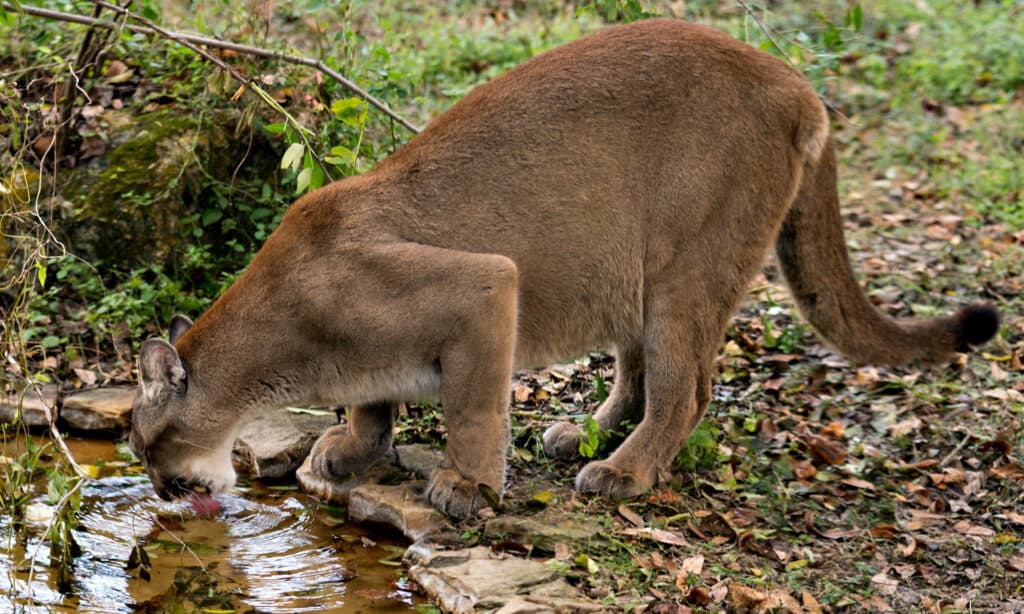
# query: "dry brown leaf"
{"points": [[1009, 471], [804, 470], [631, 516], [1016, 563], [858, 483], [692, 565], [521, 392], [659, 535], [885, 531], [884, 583], [811, 605], [966, 527], [87, 377], [834, 430], [699, 595], [905, 427], [909, 546], [742, 596], [826, 451]]}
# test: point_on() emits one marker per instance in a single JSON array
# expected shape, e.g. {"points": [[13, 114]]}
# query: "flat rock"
{"points": [[274, 442], [542, 530], [479, 580], [101, 409], [419, 458], [401, 506], [33, 409]]}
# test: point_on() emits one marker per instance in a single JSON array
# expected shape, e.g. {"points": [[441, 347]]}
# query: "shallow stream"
{"points": [[271, 549]]}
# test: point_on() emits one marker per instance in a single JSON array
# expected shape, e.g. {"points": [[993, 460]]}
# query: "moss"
{"points": [[128, 211]]}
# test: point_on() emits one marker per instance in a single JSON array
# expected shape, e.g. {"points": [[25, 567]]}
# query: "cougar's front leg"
{"points": [[353, 448], [476, 374], [452, 312]]}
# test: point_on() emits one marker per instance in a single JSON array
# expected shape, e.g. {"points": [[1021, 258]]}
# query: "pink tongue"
{"points": [[203, 504]]}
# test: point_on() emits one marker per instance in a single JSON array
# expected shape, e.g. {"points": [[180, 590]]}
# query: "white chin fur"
{"points": [[214, 471]]}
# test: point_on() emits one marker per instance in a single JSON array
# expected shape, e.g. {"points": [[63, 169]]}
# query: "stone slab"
{"points": [[479, 580], [33, 411], [274, 442], [401, 506], [542, 530], [100, 409]]}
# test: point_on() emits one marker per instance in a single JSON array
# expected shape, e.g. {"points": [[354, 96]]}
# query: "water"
{"points": [[268, 551]]}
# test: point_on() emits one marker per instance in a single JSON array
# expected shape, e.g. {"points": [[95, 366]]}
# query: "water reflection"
{"points": [[269, 552]]}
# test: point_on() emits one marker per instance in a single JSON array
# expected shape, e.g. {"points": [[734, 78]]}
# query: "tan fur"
{"points": [[616, 193]]}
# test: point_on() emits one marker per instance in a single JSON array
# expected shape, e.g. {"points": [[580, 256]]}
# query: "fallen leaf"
{"points": [[631, 516], [858, 483], [1009, 471], [834, 430], [699, 595], [692, 565], [742, 596], [811, 605], [804, 470], [966, 527], [87, 377], [521, 392], [659, 535], [826, 451], [884, 583], [905, 427], [885, 531]]}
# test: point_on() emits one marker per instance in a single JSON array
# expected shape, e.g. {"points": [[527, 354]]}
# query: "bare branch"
{"points": [[194, 40]]}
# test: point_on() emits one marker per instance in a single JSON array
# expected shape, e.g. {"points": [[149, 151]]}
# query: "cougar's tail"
{"points": [[812, 254]]}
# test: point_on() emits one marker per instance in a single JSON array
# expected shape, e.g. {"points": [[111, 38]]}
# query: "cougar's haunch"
{"points": [[618, 192]]}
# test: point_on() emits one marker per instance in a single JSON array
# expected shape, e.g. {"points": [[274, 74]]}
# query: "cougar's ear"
{"points": [[179, 324], [160, 369]]}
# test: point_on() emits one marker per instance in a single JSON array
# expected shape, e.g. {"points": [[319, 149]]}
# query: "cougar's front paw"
{"points": [[337, 455], [562, 440], [604, 478], [454, 495]]}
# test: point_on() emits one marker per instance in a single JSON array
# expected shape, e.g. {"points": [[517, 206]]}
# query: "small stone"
{"points": [[402, 507], [33, 409], [101, 409], [274, 442], [544, 531], [419, 458]]}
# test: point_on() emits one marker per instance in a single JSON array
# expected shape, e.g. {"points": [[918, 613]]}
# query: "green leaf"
{"points": [[50, 341], [858, 17], [212, 216], [41, 274], [278, 128], [302, 183], [292, 157], [352, 111]]}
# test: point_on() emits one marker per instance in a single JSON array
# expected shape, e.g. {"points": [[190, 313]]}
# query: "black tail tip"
{"points": [[978, 324]]}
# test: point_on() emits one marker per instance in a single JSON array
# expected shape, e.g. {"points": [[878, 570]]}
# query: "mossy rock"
{"points": [[127, 209]]}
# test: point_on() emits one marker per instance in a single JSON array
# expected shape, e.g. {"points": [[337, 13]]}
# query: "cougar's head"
{"points": [[182, 445]]}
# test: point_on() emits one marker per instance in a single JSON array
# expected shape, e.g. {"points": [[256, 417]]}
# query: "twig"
{"points": [[219, 44], [831, 106], [959, 447]]}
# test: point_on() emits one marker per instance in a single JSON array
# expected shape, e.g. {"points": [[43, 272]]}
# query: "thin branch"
{"points": [[193, 39], [831, 106]]}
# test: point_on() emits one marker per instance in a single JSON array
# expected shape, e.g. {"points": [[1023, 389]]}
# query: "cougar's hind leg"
{"points": [[354, 447], [624, 403], [681, 340]]}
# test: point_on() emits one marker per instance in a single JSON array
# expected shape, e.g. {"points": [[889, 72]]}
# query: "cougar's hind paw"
{"points": [[562, 440], [603, 478]]}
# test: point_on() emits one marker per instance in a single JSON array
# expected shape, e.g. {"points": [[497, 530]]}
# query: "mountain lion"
{"points": [[618, 192]]}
